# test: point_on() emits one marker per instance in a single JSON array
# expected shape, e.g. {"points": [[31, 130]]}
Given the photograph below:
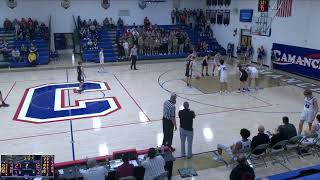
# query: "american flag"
{"points": [[284, 8]]}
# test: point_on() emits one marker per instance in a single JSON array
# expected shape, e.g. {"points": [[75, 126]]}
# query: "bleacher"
{"points": [[214, 46], [42, 46], [103, 42]]}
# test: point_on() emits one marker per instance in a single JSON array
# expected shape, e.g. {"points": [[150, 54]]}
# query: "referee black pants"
{"points": [[167, 126], [133, 62]]}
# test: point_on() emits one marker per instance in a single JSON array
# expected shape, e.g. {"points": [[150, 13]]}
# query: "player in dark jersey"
{"points": [[205, 64], [243, 77], [2, 101], [81, 76]]}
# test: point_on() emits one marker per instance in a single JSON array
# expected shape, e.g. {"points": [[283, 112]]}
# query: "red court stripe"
{"points": [[132, 97], [14, 84]]}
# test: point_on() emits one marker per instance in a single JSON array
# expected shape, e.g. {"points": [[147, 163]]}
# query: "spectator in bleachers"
{"points": [[23, 51], [242, 170], [33, 54], [288, 128], [125, 45], [7, 24], [106, 22], [154, 165], [120, 23], [278, 136], [126, 169], [260, 138], [173, 15], [94, 172], [175, 45], [146, 22], [242, 146], [16, 54]]}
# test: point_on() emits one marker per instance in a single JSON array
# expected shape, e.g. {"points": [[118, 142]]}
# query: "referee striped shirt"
{"points": [[169, 110]]}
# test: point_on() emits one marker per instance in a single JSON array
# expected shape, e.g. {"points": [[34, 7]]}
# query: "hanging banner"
{"points": [[12, 3], [214, 2], [66, 3], [220, 2], [105, 4], [213, 16], [209, 2], [227, 2], [220, 16], [226, 17], [297, 60], [142, 4]]}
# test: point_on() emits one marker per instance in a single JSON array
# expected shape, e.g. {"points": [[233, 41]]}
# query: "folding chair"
{"points": [[307, 143], [259, 152], [292, 147], [278, 150]]}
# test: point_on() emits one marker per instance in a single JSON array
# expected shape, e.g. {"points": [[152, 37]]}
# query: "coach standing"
{"points": [[186, 129], [169, 121], [134, 56]]}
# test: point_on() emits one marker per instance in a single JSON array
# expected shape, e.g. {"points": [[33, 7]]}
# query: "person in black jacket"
{"points": [[279, 136], [260, 138], [186, 117], [242, 170]]}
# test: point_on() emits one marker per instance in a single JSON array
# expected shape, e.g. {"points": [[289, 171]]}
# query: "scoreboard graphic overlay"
{"points": [[25, 166]]}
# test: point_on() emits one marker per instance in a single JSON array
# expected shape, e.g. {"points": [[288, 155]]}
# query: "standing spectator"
{"points": [[175, 45], [181, 43], [169, 121], [140, 44], [16, 54], [186, 129], [154, 165], [121, 52], [126, 49], [260, 138], [289, 129], [126, 169], [173, 14], [242, 170], [94, 172], [133, 57]]}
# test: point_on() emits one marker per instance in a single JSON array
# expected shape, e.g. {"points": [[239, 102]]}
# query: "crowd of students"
{"points": [[27, 28]]}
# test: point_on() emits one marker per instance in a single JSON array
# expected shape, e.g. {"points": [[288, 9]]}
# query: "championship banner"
{"points": [[12, 3], [226, 17], [220, 2], [65, 3], [105, 4], [213, 16], [297, 60], [220, 16], [227, 2]]}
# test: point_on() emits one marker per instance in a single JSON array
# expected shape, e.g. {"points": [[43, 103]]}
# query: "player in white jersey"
{"points": [[101, 59], [310, 110], [223, 75], [253, 75]]}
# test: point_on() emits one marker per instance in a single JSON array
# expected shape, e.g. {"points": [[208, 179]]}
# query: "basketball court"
{"points": [[134, 117]]}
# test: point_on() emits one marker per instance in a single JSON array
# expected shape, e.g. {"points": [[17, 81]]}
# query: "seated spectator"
{"points": [[7, 24], [277, 137], [242, 170], [23, 51], [154, 165], [242, 146], [94, 172], [260, 138], [16, 54], [288, 128], [126, 169]]}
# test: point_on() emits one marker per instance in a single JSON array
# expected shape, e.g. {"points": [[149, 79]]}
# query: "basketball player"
{"points": [[2, 101], [190, 68], [243, 76], [205, 64], [310, 110], [223, 74], [253, 75], [101, 58], [81, 76]]}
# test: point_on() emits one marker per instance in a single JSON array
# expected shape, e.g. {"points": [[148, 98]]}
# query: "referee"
{"points": [[169, 121]]}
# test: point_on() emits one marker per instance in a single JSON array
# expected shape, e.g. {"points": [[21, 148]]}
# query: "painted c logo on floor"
{"points": [[46, 103]]}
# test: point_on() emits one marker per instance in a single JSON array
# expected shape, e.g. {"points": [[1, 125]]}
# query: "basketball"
{"points": [[197, 77]]}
